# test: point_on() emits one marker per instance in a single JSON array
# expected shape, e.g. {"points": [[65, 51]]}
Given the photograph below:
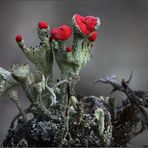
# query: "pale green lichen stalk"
{"points": [[73, 61], [41, 56], [99, 114], [104, 132], [33, 84]]}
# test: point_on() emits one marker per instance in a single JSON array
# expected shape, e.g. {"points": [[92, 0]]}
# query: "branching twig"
{"points": [[117, 86]]}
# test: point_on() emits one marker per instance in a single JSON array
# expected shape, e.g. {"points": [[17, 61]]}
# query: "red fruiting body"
{"points": [[61, 33], [69, 49], [92, 37], [87, 24], [19, 38], [43, 25]]}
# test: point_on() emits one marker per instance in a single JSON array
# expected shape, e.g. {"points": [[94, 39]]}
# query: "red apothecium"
{"points": [[43, 25], [92, 37], [19, 38], [69, 49], [85, 25], [61, 33]]}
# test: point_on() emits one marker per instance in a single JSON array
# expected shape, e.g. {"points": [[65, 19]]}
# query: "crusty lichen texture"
{"points": [[45, 95]]}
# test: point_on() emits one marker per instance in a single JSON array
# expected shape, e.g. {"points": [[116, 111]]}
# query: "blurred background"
{"points": [[122, 44]]}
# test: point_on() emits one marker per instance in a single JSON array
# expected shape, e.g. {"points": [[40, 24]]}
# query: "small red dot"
{"points": [[43, 25], [69, 49], [19, 38]]}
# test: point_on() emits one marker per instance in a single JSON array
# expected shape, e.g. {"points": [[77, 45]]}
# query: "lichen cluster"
{"points": [[60, 116], [70, 60], [49, 99]]}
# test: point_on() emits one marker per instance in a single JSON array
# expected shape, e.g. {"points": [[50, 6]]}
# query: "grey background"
{"points": [[122, 44]]}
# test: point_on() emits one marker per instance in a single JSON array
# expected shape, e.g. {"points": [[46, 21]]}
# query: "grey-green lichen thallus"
{"points": [[45, 95]]}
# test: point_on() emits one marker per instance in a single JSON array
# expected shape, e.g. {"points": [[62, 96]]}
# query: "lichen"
{"points": [[60, 116]]}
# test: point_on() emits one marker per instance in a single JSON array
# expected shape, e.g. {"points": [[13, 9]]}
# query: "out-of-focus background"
{"points": [[122, 44]]}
